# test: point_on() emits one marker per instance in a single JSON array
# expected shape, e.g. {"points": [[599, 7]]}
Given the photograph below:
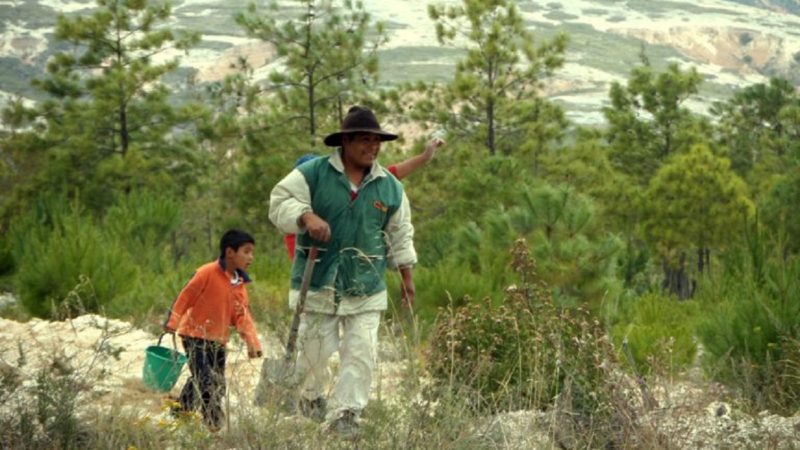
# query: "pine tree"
{"points": [[781, 214], [585, 166], [647, 121], [110, 122], [23, 158], [647, 124], [573, 256], [328, 60], [495, 92], [760, 128], [693, 202]]}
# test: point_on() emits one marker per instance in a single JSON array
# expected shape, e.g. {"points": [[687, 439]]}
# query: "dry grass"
{"points": [[48, 401]]}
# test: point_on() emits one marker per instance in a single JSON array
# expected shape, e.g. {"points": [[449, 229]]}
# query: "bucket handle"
{"points": [[174, 342]]}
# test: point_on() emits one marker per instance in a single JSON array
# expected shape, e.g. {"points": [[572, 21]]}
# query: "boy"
{"points": [[211, 302]]}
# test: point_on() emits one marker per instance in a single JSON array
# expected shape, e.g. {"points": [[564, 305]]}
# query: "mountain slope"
{"points": [[733, 43]]}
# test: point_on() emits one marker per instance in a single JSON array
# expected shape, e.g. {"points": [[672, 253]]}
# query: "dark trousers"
{"points": [[205, 388]]}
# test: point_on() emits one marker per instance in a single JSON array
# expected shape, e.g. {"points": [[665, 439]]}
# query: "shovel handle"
{"points": [[291, 343]]}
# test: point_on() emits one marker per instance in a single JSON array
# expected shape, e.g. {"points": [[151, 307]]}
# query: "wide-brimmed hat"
{"points": [[358, 120]]}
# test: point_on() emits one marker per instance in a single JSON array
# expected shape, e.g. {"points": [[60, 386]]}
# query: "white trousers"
{"points": [[356, 338]]}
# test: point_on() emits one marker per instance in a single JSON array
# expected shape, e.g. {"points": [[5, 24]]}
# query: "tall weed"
{"points": [[42, 412]]}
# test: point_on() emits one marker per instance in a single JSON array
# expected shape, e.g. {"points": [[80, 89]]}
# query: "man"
{"points": [[400, 171], [358, 215]]}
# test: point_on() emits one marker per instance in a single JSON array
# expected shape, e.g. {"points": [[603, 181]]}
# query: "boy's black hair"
{"points": [[234, 239]]}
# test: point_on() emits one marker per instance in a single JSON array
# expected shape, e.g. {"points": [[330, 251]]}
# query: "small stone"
{"points": [[718, 409]]}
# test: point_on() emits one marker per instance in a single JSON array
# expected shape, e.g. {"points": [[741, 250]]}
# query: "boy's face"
{"points": [[241, 258]]}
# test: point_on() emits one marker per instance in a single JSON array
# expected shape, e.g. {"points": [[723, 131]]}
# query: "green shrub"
{"points": [[659, 332], [751, 329], [72, 265], [150, 293], [575, 258], [445, 199], [529, 353], [446, 283], [6, 257], [270, 290], [485, 351], [145, 223]]}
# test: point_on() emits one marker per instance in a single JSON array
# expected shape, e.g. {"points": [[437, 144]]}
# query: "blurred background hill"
{"points": [[732, 43]]}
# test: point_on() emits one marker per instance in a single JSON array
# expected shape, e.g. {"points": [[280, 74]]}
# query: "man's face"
{"points": [[361, 149]]}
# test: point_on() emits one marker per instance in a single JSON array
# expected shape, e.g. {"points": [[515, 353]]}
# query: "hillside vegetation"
{"points": [[564, 270]]}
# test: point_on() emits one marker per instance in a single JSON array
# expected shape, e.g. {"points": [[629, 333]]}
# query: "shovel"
{"points": [[279, 373]]}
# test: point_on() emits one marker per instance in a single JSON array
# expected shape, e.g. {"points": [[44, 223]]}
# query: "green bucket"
{"points": [[162, 366]]}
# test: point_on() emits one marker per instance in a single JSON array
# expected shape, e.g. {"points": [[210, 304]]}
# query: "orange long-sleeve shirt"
{"points": [[209, 305]]}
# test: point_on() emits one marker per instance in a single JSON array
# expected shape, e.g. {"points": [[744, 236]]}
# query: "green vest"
{"points": [[354, 260]]}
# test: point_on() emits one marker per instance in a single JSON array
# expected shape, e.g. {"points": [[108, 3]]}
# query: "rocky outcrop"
{"points": [[736, 49], [257, 55], [23, 44]]}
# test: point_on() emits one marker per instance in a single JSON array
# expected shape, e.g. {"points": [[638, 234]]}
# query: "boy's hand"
{"points": [[254, 353], [409, 291], [431, 147]]}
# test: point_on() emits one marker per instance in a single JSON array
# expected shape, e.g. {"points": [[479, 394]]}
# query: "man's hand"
{"points": [[168, 330], [254, 353], [408, 288], [317, 228]]}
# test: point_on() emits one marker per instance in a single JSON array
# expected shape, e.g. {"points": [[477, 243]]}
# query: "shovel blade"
{"points": [[279, 372], [277, 381]]}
